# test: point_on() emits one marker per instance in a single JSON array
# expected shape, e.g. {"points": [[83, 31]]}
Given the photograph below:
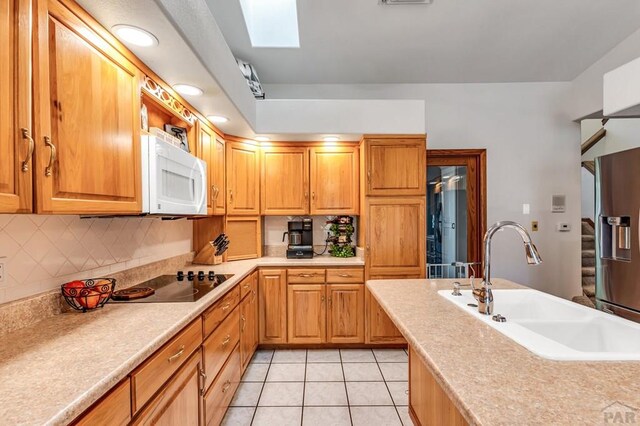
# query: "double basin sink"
{"points": [[556, 328]]}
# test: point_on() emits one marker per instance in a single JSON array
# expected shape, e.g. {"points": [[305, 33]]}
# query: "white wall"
{"points": [[622, 134], [533, 152], [586, 97], [42, 252]]}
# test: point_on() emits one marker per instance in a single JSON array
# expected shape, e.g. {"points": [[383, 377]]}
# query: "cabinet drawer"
{"points": [[305, 276], [157, 369], [248, 285], [218, 398], [219, 345], [215, 314], [347, 276], [114, 409]]}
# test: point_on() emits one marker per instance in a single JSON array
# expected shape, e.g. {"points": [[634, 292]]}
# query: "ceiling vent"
{"points": [[406, 2]]}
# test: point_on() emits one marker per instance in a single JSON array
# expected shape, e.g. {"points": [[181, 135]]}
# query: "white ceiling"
{"points": [[449, 41]]}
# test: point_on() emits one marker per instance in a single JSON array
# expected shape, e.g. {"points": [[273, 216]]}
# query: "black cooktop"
{"points": [[181, 287]]}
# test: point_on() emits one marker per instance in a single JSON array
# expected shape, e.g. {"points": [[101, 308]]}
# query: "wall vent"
{"points": [[390, 2]]}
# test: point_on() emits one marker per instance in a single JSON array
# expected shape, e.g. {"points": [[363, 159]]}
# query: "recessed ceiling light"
{"points": [[331, 139], [134, 35], [187, 89], [262, 139], [217, 119]]}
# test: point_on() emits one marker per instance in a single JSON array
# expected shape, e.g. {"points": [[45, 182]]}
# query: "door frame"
{"points": [[476, 162]]}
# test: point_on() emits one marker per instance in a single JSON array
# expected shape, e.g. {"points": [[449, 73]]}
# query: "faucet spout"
{"points": [[483, 295]]}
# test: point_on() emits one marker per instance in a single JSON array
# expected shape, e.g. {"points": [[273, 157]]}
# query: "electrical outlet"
{"points": [[534, 225], [2, 270]]}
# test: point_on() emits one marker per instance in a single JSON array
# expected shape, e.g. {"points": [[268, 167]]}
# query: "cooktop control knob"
{"points": [[190, 275], [212, 275], [200, 275], [180, 276]]}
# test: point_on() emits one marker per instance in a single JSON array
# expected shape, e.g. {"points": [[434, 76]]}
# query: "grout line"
{"points": [[345, 387], [304, 385], [388, 391], [262, 388]]}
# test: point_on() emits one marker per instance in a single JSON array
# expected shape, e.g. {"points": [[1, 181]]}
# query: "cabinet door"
{"points": [[245, 236], [396, 166], [272, 289], [334, 181], [345, 318], [87, 108], [218, 176], [179, 400], [285, 181], [243, 179], [16, 142], [380, 328], [396, 240], [306, 306], [114, 409], [248, 326], [206, 147]]}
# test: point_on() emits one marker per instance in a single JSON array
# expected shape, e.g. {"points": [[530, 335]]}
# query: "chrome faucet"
{"points": [[483, 294]]}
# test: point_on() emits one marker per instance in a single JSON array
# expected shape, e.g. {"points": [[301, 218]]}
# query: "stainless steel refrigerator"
{"points": [[617, 219]]}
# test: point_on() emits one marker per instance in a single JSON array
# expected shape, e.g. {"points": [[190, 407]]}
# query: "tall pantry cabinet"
{"points": [[393, 222]]}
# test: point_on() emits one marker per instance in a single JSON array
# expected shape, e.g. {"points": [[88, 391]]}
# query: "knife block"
{"points": [[206, 256]]}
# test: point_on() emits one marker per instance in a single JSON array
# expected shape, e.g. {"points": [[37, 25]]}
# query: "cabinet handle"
{"points": [[313, 195], [27, 136], [226, 386], [329, 301], [225, 307], [226, 341], [203, 377], [345, 275], [369, 176], [176, 355], [244, 321], [322, 299], [254, 296], [306, 195], [52, 158], [231, 196], [213, 193], [217, 192], [245, 286]]}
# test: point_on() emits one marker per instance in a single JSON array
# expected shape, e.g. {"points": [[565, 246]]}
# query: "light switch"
{"points": [[526, 209]]}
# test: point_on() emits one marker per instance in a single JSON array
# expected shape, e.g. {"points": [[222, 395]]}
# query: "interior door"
{"points": [[456, 210], [16, 141]]}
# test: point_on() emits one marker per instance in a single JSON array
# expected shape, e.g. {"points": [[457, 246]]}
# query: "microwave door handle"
{"points": [[203, 187]]}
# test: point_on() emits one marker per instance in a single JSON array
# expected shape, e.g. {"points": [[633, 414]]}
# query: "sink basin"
{"points": [[556, 328]]}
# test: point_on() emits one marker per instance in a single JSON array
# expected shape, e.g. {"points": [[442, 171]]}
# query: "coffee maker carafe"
{"points": [[300, 233]]}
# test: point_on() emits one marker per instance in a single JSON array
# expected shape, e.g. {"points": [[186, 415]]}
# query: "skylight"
{"points": [[271, 23]]}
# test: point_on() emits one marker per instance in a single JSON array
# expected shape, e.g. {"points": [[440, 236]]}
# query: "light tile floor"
{"points": [[319, 387]]}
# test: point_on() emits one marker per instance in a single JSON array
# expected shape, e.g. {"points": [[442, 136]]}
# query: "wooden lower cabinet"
{"points": [[114, 409], [220, 394], [428, 403], [380, 328], [272, 291], [249, 323], [179, 401], [306, 306], [345, 316], [217, 347]]}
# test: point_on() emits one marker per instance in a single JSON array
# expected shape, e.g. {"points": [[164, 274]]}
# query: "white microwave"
{"points": [[174, 182]]}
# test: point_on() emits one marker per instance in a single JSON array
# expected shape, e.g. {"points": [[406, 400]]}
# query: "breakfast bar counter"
{"points": [[491, 379]]}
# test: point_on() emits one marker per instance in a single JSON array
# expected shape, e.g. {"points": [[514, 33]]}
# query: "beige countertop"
{"points": [[493, 380], [53, 371]]}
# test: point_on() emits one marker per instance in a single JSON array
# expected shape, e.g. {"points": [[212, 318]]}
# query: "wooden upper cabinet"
{"points": [[206, 147], [396, 166], [272, 291], [243, 179], [306, 309], [218, 176], [16, 142], [87, 113], [396, 236], [285, 181], [334, 181]]}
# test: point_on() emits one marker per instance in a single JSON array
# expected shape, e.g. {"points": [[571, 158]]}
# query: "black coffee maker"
{"points": [[300, 233]]}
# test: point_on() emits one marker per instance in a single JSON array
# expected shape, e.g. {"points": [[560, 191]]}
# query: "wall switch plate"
{"points": [[526, 209], [564, 227], [534, 225]]}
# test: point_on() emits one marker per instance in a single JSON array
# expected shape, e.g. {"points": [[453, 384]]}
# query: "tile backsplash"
{"points": [[40, 252]]}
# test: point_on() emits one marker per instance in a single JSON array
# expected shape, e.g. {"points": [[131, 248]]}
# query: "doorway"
{"points": [[456, 212]]}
